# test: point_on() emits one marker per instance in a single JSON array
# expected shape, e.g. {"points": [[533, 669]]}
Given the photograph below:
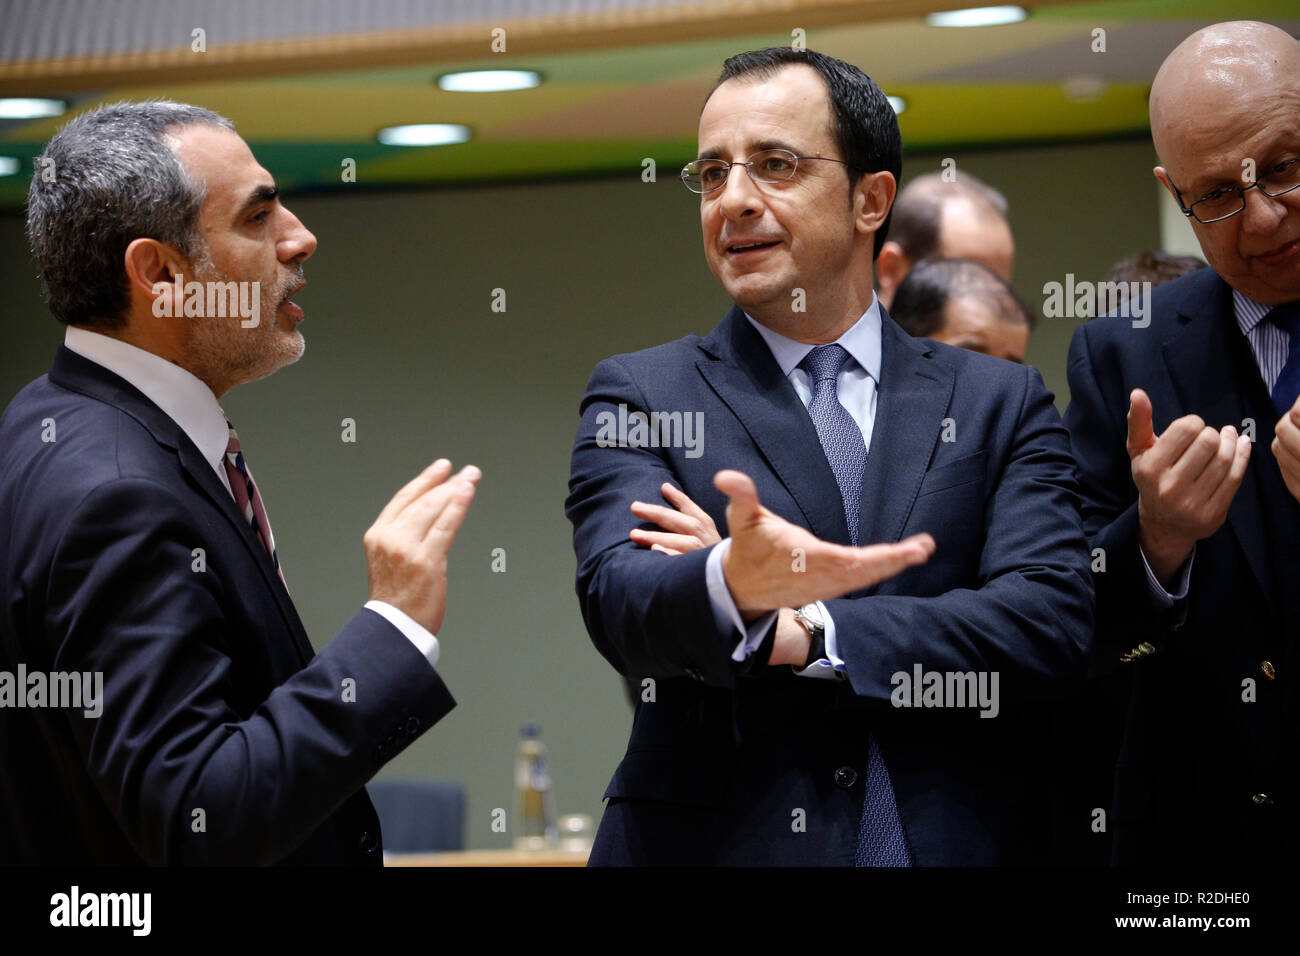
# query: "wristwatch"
{"points": [[810, 616]]}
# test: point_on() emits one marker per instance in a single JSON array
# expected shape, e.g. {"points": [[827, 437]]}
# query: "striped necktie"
{"points": [[881, 841], [248, 499]]}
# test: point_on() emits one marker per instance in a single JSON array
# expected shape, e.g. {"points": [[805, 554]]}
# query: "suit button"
{"points": [[368, 842], [845, 777], [1269, 670], [1145, 649], [412, 726], [1262, 800]]}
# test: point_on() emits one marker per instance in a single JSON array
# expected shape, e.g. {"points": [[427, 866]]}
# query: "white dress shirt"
{"points": [[188, 401], [856, 390]]}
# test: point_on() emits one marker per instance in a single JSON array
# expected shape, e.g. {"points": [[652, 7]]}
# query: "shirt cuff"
{"points": [[1158, 593], [725, 613], [830, 667], [425, 642]]}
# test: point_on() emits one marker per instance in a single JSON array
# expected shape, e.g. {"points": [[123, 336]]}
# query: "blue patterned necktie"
{"points": [[1287, 388], [840, 435], [880, 838]]}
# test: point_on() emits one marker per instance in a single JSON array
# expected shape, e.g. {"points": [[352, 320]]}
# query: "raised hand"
{"points": [[773, 563], [1286, 448], [1186, 479], [407, 546]]}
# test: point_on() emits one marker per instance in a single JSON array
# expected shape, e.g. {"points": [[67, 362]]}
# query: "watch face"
{"points": [[812, 614]]}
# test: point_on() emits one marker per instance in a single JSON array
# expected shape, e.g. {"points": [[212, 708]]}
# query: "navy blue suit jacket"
{"points": [[222, 738], [1204, 774], [749, 764]]}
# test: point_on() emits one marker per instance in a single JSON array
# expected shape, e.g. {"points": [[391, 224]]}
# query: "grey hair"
{"points": [[108, 177]]}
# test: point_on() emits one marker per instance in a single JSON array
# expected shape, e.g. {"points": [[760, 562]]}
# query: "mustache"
{"points": [[291, 283], [294, 279]]}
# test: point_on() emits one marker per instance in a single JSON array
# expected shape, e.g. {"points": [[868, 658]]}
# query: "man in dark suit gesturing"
{"points": [[1187, 432], [832, 429], [137, 563]]}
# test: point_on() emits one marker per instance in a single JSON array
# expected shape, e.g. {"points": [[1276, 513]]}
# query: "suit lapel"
{"points": [[79, 374], [1213, 371], [741, 370], [913, 396], [203, 475]]}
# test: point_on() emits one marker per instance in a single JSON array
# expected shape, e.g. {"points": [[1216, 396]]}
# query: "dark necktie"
{"points": [[840, 435], [248, 499], [1287, 388], [880, 837]]}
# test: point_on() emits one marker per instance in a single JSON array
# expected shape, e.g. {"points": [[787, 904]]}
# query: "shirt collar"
{"points": [[183, 397], [1249, 312], [862, 342]]}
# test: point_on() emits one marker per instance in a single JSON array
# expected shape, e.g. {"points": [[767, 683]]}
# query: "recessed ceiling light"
{"points": [[898, 103], [977, 17], [489, 81], [424, 134], [8, 165], [23, 107], [1084, 87]]}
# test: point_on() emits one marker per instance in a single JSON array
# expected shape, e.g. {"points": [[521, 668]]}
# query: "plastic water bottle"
{"points": [[535, 825]]}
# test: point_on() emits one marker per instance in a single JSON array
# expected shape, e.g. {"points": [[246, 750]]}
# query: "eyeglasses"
{"points": [[1226, 201], [765, 166]]}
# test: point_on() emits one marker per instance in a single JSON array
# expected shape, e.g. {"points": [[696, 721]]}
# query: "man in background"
{"points": [[1155, 267], [138, 570], [965, 218], [966, 304]]}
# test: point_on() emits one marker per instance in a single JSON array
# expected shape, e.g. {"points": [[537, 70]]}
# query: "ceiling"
{"points": [[310, 82]]}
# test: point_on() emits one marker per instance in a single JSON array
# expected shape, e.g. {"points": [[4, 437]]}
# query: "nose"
{"points": [[1263, 213], [296, 243], [739, 195]]}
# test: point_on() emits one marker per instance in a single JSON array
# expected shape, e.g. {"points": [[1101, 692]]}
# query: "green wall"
{"points": [[401, 337]]}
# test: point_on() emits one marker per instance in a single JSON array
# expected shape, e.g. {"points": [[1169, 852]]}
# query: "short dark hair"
{"points": [[932, 283], [919, 209], [865, 125], [111, 180], [1155, 267]]}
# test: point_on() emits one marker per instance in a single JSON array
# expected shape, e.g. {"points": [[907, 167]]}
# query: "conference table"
{"points": [[490, 858]]}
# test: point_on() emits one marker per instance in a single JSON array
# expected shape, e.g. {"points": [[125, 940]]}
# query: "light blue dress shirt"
{"points": [[856, 388]]}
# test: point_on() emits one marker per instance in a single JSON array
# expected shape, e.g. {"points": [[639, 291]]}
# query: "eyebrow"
{"points": [[259, 195], [1275, 150], [755, 147]]}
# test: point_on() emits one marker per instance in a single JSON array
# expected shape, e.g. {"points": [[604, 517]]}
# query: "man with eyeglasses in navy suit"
{"points": [[843, 675]]}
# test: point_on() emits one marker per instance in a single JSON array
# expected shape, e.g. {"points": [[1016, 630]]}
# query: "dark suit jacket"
{"points": [[222, 739], [1204, 776], [742, 764]]}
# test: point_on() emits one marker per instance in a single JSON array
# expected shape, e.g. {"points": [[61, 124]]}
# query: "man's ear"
{"points": [[892, 266], [151, 271], [873, 197], [1164, 178]]}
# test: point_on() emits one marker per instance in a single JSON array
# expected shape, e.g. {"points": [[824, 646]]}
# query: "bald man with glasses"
{"points": [[1187, 432]]}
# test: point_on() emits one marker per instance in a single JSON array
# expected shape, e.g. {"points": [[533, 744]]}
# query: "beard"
{"points": [[223, 352]]}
